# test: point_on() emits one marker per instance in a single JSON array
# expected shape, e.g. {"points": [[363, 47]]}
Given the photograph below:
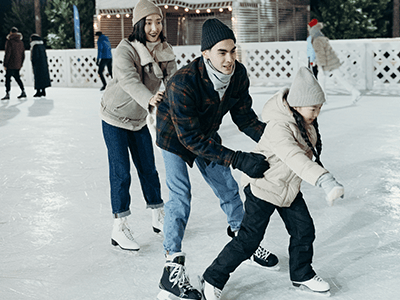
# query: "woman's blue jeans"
{"points": [[177, 209], [120, 143]]}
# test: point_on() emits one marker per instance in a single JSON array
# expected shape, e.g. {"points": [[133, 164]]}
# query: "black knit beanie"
{"points": [[213, 32]]}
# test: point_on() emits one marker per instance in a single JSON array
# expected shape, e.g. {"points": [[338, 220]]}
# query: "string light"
{"points": [[98, 17], [127, 15], [197, 11], [118, 16], [166, 6], [187, 9], [176, 7], [108, 16], [221, 9], [230, 8], [208, 10]]}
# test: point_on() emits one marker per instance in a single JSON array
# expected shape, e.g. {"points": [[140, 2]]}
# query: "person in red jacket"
{"points": [[13, 60]]}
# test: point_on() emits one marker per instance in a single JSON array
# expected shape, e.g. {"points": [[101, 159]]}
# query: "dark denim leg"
{"points": [[116, 140], [142, 152], [18, 80], [100, 71], [255, 221], [109, 67], [300, 227], [8, 80]]}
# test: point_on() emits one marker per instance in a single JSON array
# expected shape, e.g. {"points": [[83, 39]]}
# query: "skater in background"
{"points": [[328, 61], [104, 57], [197, 98], [141, 63], [311, 54], [14, 57], [290, 140], [40, 66]]}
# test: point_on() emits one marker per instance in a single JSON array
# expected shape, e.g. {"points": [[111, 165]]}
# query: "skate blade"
{"points": [[303, 289], [252, 263], [164, 295], [115, 244]]}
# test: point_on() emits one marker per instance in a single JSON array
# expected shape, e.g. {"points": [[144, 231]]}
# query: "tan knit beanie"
{"points": [[305, 90], [143, 9]]}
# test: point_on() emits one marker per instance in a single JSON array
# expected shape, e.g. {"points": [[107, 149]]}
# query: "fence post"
{"points": [[369, 66]]}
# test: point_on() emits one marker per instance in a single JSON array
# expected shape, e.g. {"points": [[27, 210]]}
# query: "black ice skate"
{"points": [[262, 257], [174, 283]]}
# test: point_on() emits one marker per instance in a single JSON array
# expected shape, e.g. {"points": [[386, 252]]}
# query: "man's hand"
{"points": [[253, 164]]}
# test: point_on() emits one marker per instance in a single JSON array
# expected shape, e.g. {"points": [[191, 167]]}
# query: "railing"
{"points": [[372, 65]]}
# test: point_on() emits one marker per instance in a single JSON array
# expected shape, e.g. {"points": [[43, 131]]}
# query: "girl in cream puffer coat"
{"points": [[141, 64], [289, 142]]}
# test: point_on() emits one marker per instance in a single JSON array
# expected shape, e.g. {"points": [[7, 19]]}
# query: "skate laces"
{"points": [[178, 276], [124, 227], [217, 292], [161, 216], [317, 278], [262, 253]]}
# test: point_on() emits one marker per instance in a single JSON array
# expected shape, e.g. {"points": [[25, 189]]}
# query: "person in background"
{"points": [[141, 63], [13, 60], [40, 66], [197, 98], [310, 52], [290, 141], [328, 61], [104, 57]]}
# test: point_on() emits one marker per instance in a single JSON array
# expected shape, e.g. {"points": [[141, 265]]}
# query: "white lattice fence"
{"points": [[185, 54], [369, 64], [385, 67]]}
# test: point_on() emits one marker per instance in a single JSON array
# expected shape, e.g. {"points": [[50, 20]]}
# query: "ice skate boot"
{"points": [[23, 95], [6, 97], [261, 258], [174, 283], [122, 235], [209, 291], [38, 94], [157, 220], [355, 96], [315, 284]]}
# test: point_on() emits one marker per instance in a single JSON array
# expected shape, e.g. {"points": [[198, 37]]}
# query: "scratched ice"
{"points": [[55, 220]]}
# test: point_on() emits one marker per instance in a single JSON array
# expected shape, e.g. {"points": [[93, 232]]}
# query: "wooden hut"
{"points": [[251, 20]]}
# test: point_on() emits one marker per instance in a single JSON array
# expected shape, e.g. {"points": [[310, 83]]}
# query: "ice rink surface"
{"points": [[55, 217]]}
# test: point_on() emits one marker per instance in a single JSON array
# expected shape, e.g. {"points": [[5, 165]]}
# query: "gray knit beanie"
{"points": [[305, 90], [143, 9], [214, 31]]}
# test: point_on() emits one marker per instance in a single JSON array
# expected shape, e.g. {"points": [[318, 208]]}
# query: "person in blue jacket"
{"points": [[104, 57], [310, 52]]}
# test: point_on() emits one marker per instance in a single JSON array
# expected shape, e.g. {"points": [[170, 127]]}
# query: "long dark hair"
{"points": [[139, 34], [300, 123]]}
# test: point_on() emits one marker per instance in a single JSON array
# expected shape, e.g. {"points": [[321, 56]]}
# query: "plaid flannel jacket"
{"points": [[191, 113]]}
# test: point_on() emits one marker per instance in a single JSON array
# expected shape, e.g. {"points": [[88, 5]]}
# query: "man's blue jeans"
{"points": [[177, 209], [119, 143]]}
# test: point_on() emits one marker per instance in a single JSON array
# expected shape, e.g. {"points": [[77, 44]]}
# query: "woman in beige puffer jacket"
{"points": [[289, 142]]}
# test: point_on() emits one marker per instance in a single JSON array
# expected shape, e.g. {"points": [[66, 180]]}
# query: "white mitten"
{"points": [[332, 188]]}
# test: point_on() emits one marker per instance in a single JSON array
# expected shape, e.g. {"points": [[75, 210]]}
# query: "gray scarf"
{"points": [[220, 81]]}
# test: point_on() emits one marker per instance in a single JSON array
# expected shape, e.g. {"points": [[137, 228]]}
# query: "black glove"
{"points": [[97, 62], [253, 164]]}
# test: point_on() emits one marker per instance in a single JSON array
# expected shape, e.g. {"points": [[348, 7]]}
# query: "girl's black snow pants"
{"points": [[299, 225]]}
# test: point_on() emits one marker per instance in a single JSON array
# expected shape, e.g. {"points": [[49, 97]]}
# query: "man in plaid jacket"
{"points": [[196, 99]]}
